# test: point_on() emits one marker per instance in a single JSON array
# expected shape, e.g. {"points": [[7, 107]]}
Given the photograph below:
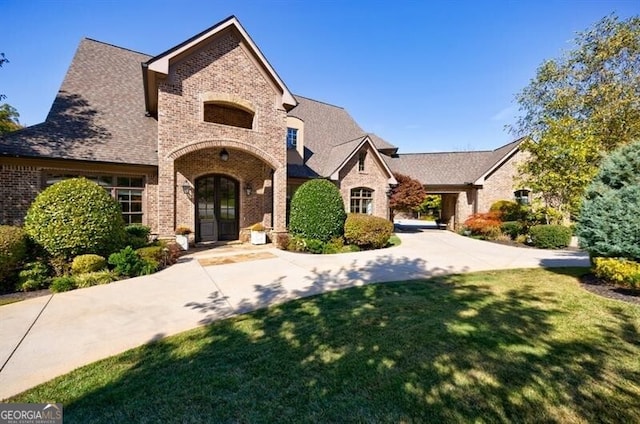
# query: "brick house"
{"points": [[207, 135]]}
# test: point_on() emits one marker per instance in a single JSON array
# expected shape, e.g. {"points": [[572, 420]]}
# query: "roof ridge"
{"points": [[113, 45], [350, 141], [447, 153], [319, 101]]}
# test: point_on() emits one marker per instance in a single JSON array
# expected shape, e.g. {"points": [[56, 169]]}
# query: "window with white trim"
{"points": [[362, 156], [361, 200]]}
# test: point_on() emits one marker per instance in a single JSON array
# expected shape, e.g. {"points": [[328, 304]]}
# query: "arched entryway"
{"points": [[217, 215]]}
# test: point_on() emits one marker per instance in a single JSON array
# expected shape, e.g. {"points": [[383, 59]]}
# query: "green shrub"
{"points": [[127, 262], [33, 276], [60, 265], [296, 244], [63, 284], [335, 245], [367, 231], [608, 224], [154, 253], [13, 250], [618, 271], [510, 210], [74, 217], [88, 263], [137, 235], [314, 246], [550, 236], [512, 228], [485, 225], [94, 278], [317, 211]]}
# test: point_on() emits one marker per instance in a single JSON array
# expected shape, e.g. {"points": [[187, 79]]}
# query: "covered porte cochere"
{"points": [[220, 189]]}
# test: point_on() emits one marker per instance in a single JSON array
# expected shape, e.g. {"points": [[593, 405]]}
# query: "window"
{"points": [[522, 196], [128, 191], [361, 158], [228, 114], [361, 200], [292, 138]]}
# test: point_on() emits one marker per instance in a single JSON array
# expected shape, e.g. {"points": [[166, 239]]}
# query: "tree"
{"points": [[408, 195], [432, 204], [608, 224], [8, 119], [580, 107]]}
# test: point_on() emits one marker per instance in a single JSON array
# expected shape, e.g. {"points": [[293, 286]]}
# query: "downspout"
{"points": [[273, 198]]}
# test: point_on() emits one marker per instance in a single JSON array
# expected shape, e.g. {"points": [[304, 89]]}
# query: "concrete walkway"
{"points": [[45, 337]]}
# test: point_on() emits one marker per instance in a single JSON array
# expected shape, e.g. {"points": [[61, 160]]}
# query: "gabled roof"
{"points": [[343, 153], [452, 168], [97, 115], [160, 64], [330, 135]]}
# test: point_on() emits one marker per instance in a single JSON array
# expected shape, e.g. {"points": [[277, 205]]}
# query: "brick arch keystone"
{"points": [[233, 144]]}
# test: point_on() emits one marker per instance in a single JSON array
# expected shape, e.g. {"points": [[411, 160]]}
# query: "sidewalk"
{"points": [[44, 337]]}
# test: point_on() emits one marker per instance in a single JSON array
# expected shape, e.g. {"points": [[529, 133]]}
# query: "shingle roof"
{"points": [[449, 168], [98, 114], [329, 133]]}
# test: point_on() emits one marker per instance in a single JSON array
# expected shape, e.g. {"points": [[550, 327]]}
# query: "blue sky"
{"points": [[425, 75]]}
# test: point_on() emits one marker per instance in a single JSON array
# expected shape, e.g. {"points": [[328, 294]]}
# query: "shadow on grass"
{"points": [[450, 349]]}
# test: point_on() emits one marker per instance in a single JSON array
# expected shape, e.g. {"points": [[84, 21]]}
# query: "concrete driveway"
{"points": [[48, 336]]}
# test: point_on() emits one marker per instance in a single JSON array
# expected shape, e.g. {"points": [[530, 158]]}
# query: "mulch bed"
{"points": [[591, 283]]}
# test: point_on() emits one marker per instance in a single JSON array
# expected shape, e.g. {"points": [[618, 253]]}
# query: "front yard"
{"points": [[508, 346]]}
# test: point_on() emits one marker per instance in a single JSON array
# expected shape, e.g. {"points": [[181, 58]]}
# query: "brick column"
{"points": [[166, 198], [280, 200]]}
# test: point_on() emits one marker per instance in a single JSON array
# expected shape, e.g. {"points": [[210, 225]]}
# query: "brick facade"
{"points": [[500, 185], [189, 147], [18, 188], [373, 177]]}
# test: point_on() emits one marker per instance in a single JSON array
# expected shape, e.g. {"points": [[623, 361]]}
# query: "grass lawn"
{"points": [[508, 346]]}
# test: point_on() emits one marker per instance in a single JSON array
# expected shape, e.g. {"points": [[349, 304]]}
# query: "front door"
{"points": [[216, 208]]}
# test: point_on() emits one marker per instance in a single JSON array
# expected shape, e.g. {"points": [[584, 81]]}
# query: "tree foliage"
{"points": [[408, 195], [608, 224], [580, 107], [8, 119]]}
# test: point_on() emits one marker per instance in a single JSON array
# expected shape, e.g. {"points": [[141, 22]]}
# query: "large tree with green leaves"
{"points": [[580, 107], [8, 119]]}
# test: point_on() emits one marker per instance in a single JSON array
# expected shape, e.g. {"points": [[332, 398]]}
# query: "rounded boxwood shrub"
{"points": [[317, 211], [608, 224], [367, 231], [74, 217], [550, 236], [13, 250], [88, 263]]}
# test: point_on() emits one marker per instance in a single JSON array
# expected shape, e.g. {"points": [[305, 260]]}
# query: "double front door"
{"points": [[216, 208]]}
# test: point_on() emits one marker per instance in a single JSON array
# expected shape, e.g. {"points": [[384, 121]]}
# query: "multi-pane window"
{"points": [[522, 196], [128, 191], [292, 138], [361, 159], [361, 200]]}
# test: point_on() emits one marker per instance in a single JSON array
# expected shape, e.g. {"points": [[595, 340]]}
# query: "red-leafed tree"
{"points": [[408, 195]]}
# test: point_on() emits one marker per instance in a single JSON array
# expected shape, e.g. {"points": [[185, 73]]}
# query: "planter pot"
{"points": [[258, 237], [183, 241]]}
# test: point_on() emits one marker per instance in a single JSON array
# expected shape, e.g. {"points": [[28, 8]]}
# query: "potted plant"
{"points": [[182, 236], [258, 234]]}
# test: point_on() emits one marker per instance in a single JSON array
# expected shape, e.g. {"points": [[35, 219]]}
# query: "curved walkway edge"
{"points": [[42, 338]]}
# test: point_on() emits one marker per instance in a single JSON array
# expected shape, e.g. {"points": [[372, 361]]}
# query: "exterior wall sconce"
{"points": [[224, 155], [248, 189], [186, 187]]}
